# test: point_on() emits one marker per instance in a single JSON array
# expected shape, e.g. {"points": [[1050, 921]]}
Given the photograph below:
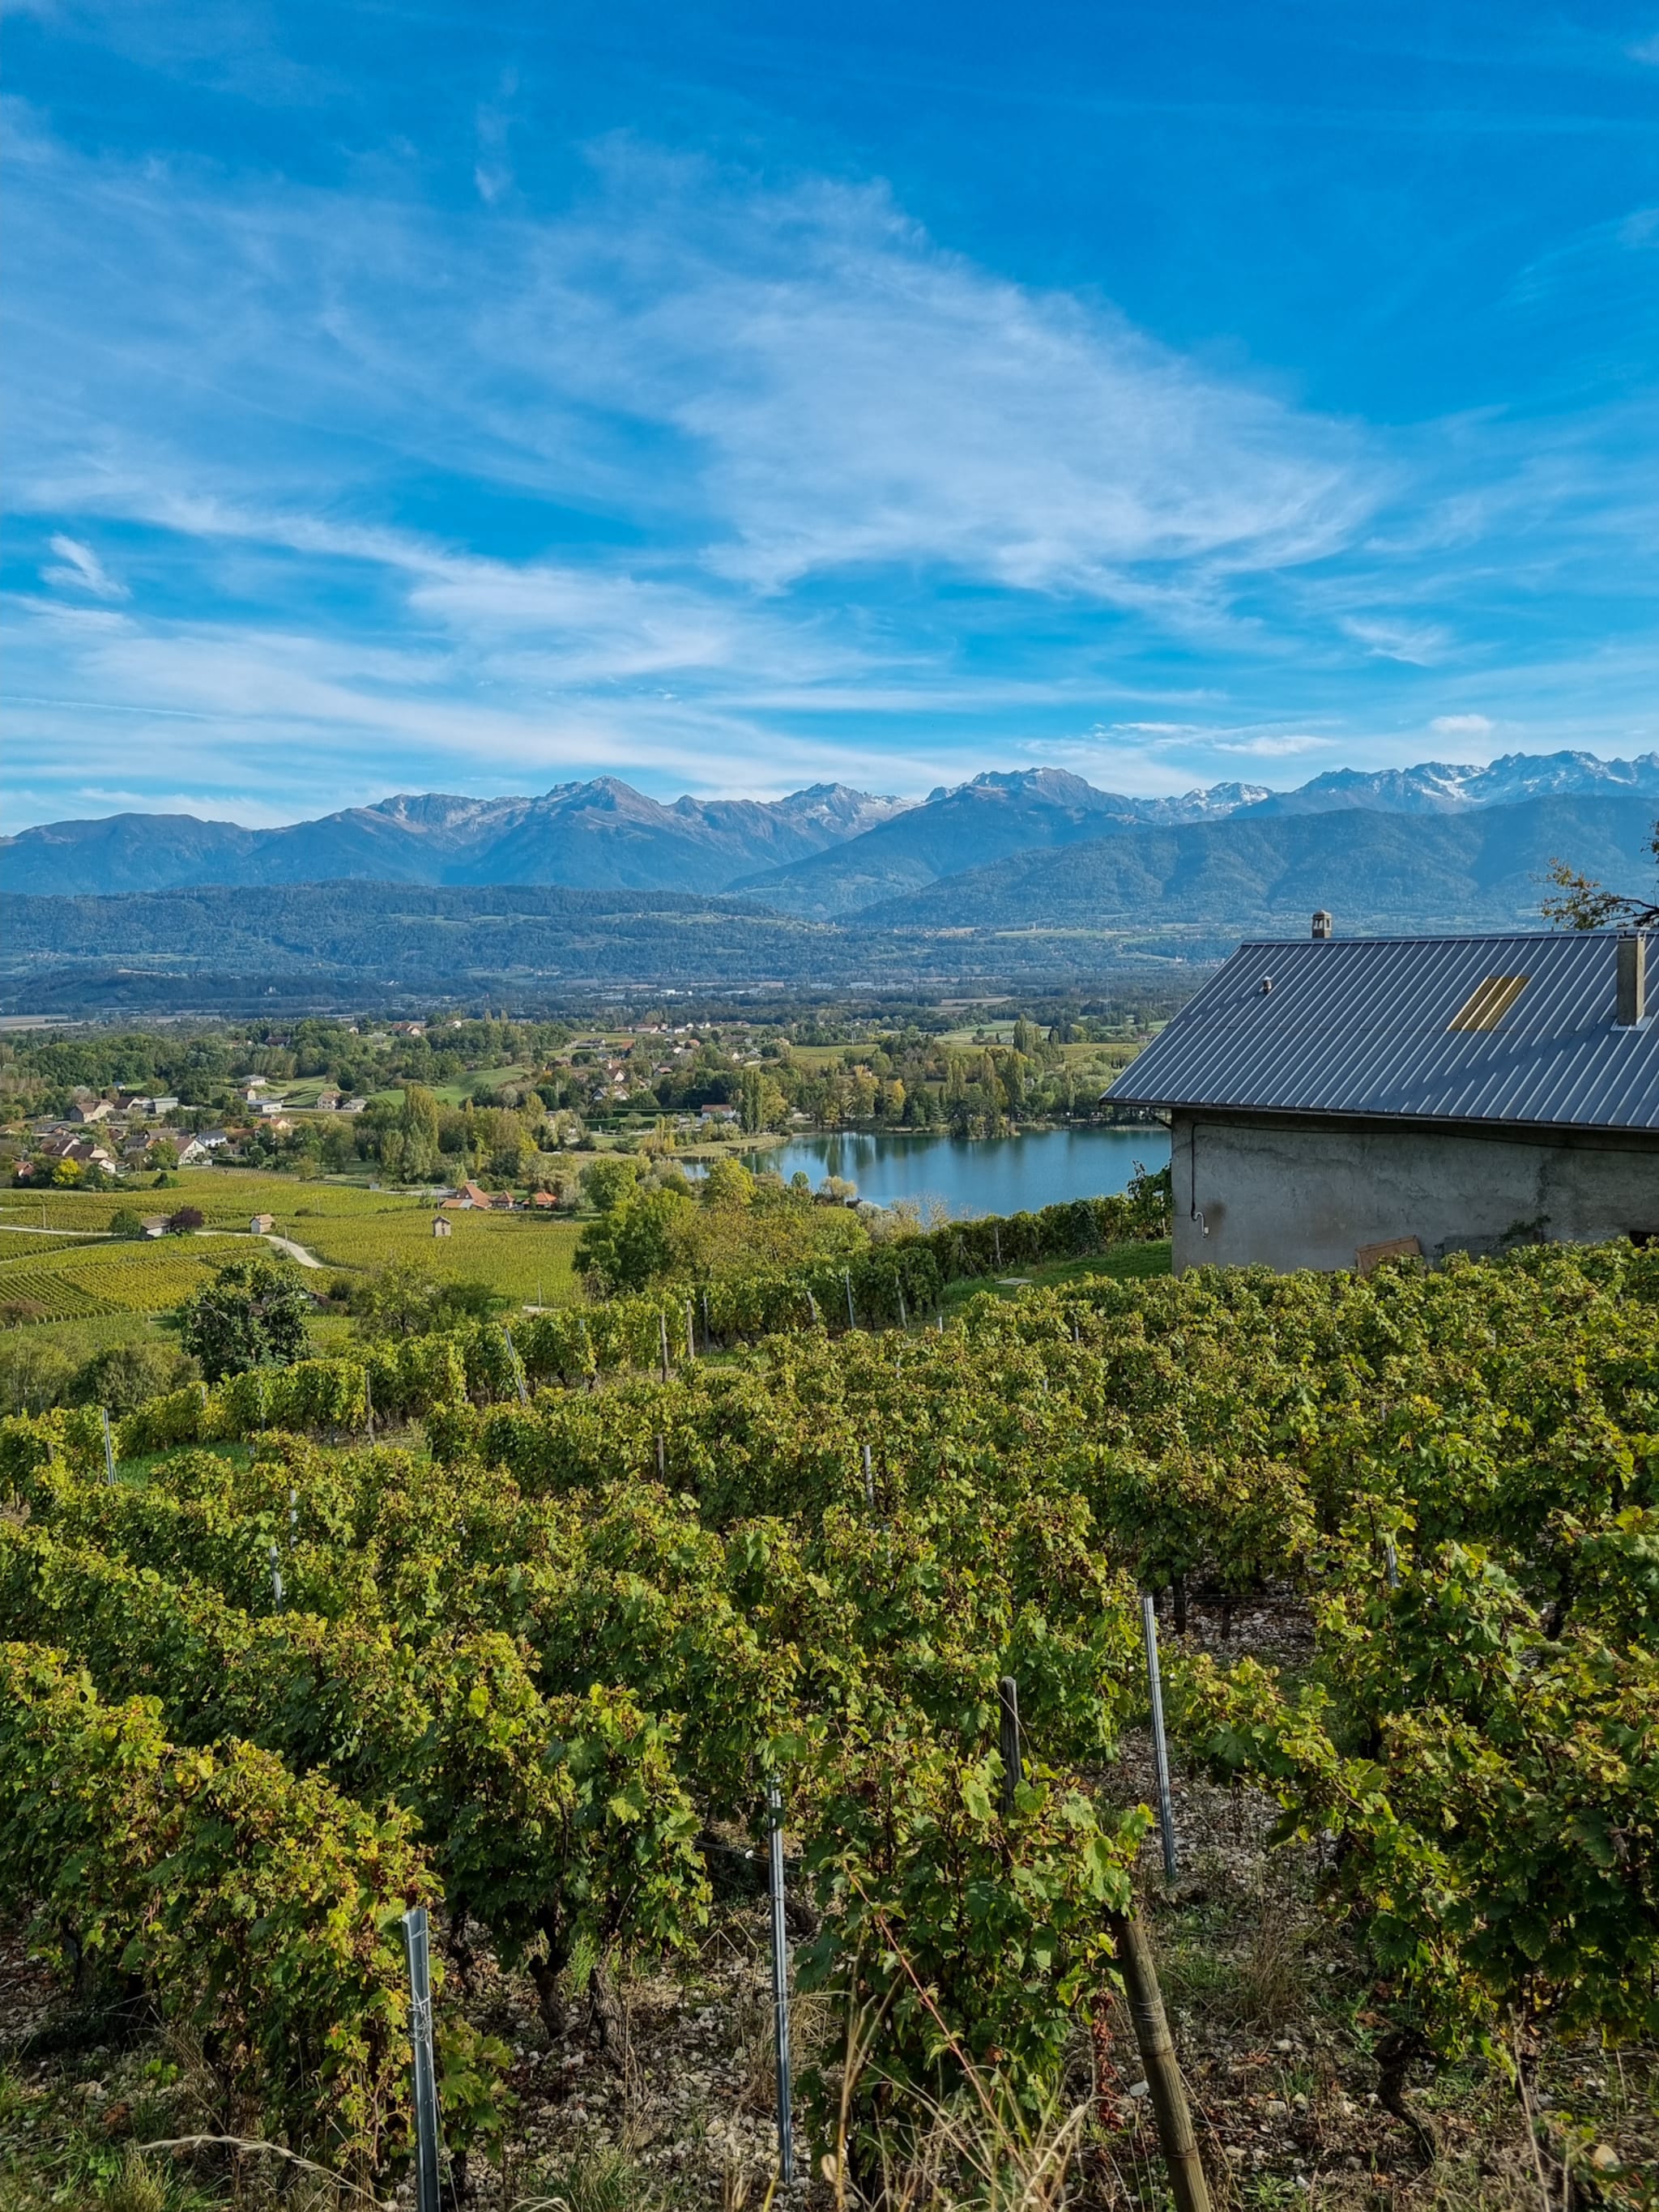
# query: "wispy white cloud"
{"points": [[792, 490], [1289, 745], [1462, 726], [1421, 644], [79, 569], [857, 395]]}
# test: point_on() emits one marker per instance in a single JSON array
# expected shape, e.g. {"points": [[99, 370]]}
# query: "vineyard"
{"points": [[533, 1652], [65, 1277], [527, 1260]]}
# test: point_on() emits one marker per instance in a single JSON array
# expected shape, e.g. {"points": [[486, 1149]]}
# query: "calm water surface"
{"points": [[975, 1175]]}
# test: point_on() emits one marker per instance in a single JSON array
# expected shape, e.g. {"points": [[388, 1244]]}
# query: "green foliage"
{"points": [[122, 1377], [252, 1314], [407, 1299], [1495, 1793], [258, 1906], [590, 1626], [632, 1243], [609, 1181], [981, 1942]]}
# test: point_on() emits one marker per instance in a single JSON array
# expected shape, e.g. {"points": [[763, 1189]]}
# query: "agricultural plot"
{"points": [[35, 1291], [516, 1255], [82, 1278], [226, 1197], [35, 1244]]}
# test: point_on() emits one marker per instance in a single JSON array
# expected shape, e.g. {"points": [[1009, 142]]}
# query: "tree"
{"points": [[252, 1313], [419, 1122], [1583, 904], [185, 1221], [32, 1374], [728, 1182], [609, 1181], [124, 1222], [634, 1243]]}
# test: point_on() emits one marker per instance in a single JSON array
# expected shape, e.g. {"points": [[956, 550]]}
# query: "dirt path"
{"points": [[293, 1251]]}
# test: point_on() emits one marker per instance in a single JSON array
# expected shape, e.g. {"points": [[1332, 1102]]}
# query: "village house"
{"points": [[1335, 1101], [486, 1201], [88, 1111], [261, 1224]]}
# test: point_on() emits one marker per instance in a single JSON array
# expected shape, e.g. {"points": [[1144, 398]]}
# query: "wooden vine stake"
{"points": [[662, 1333], [1158, 2054], [846, 1277], [869, 1480], [1008, 1741], [109, 1449]]}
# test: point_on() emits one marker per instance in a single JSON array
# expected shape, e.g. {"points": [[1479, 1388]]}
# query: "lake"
{"points": [[974, 1175]]}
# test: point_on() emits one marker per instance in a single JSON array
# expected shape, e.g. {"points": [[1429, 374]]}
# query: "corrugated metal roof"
{"points": [[1364, 1025]]}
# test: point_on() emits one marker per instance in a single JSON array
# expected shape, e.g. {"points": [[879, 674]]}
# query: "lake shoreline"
{"points": [[967, 1178]]}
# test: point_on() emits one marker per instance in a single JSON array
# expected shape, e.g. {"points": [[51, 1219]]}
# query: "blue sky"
{"points": [[733, 396]]}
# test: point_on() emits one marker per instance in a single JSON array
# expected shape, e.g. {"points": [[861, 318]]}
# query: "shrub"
{"points": [[123, 1377]]}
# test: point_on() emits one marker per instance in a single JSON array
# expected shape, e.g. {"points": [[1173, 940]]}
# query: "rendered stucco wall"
{"points": [[1279, 1193]]}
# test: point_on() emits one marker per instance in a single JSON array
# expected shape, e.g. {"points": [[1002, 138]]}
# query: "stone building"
{"points": [[1333, 1099]]}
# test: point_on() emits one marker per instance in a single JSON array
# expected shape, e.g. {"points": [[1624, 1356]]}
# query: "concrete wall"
{"points": [[1279, 1192]]}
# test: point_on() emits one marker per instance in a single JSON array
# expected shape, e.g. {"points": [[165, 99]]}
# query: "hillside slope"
{"points": [[1375, 871]]}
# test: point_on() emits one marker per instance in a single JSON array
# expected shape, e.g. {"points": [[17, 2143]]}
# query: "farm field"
{"points": [[66, 1278], [572, 1638], [226, 1197], [516, 1255]]}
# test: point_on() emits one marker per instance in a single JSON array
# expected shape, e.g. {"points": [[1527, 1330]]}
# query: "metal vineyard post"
{"points": [[781, 1984], [417, 1944], [1160, 1745]]}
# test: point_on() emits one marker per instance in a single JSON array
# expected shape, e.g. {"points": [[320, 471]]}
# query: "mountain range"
{"points": [[602, 836], [825, 852], [1012, 880], [1151, 903]]}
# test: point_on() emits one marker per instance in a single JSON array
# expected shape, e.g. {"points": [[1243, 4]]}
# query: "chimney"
{"points": [[1633, 981], [1322, 924]]}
